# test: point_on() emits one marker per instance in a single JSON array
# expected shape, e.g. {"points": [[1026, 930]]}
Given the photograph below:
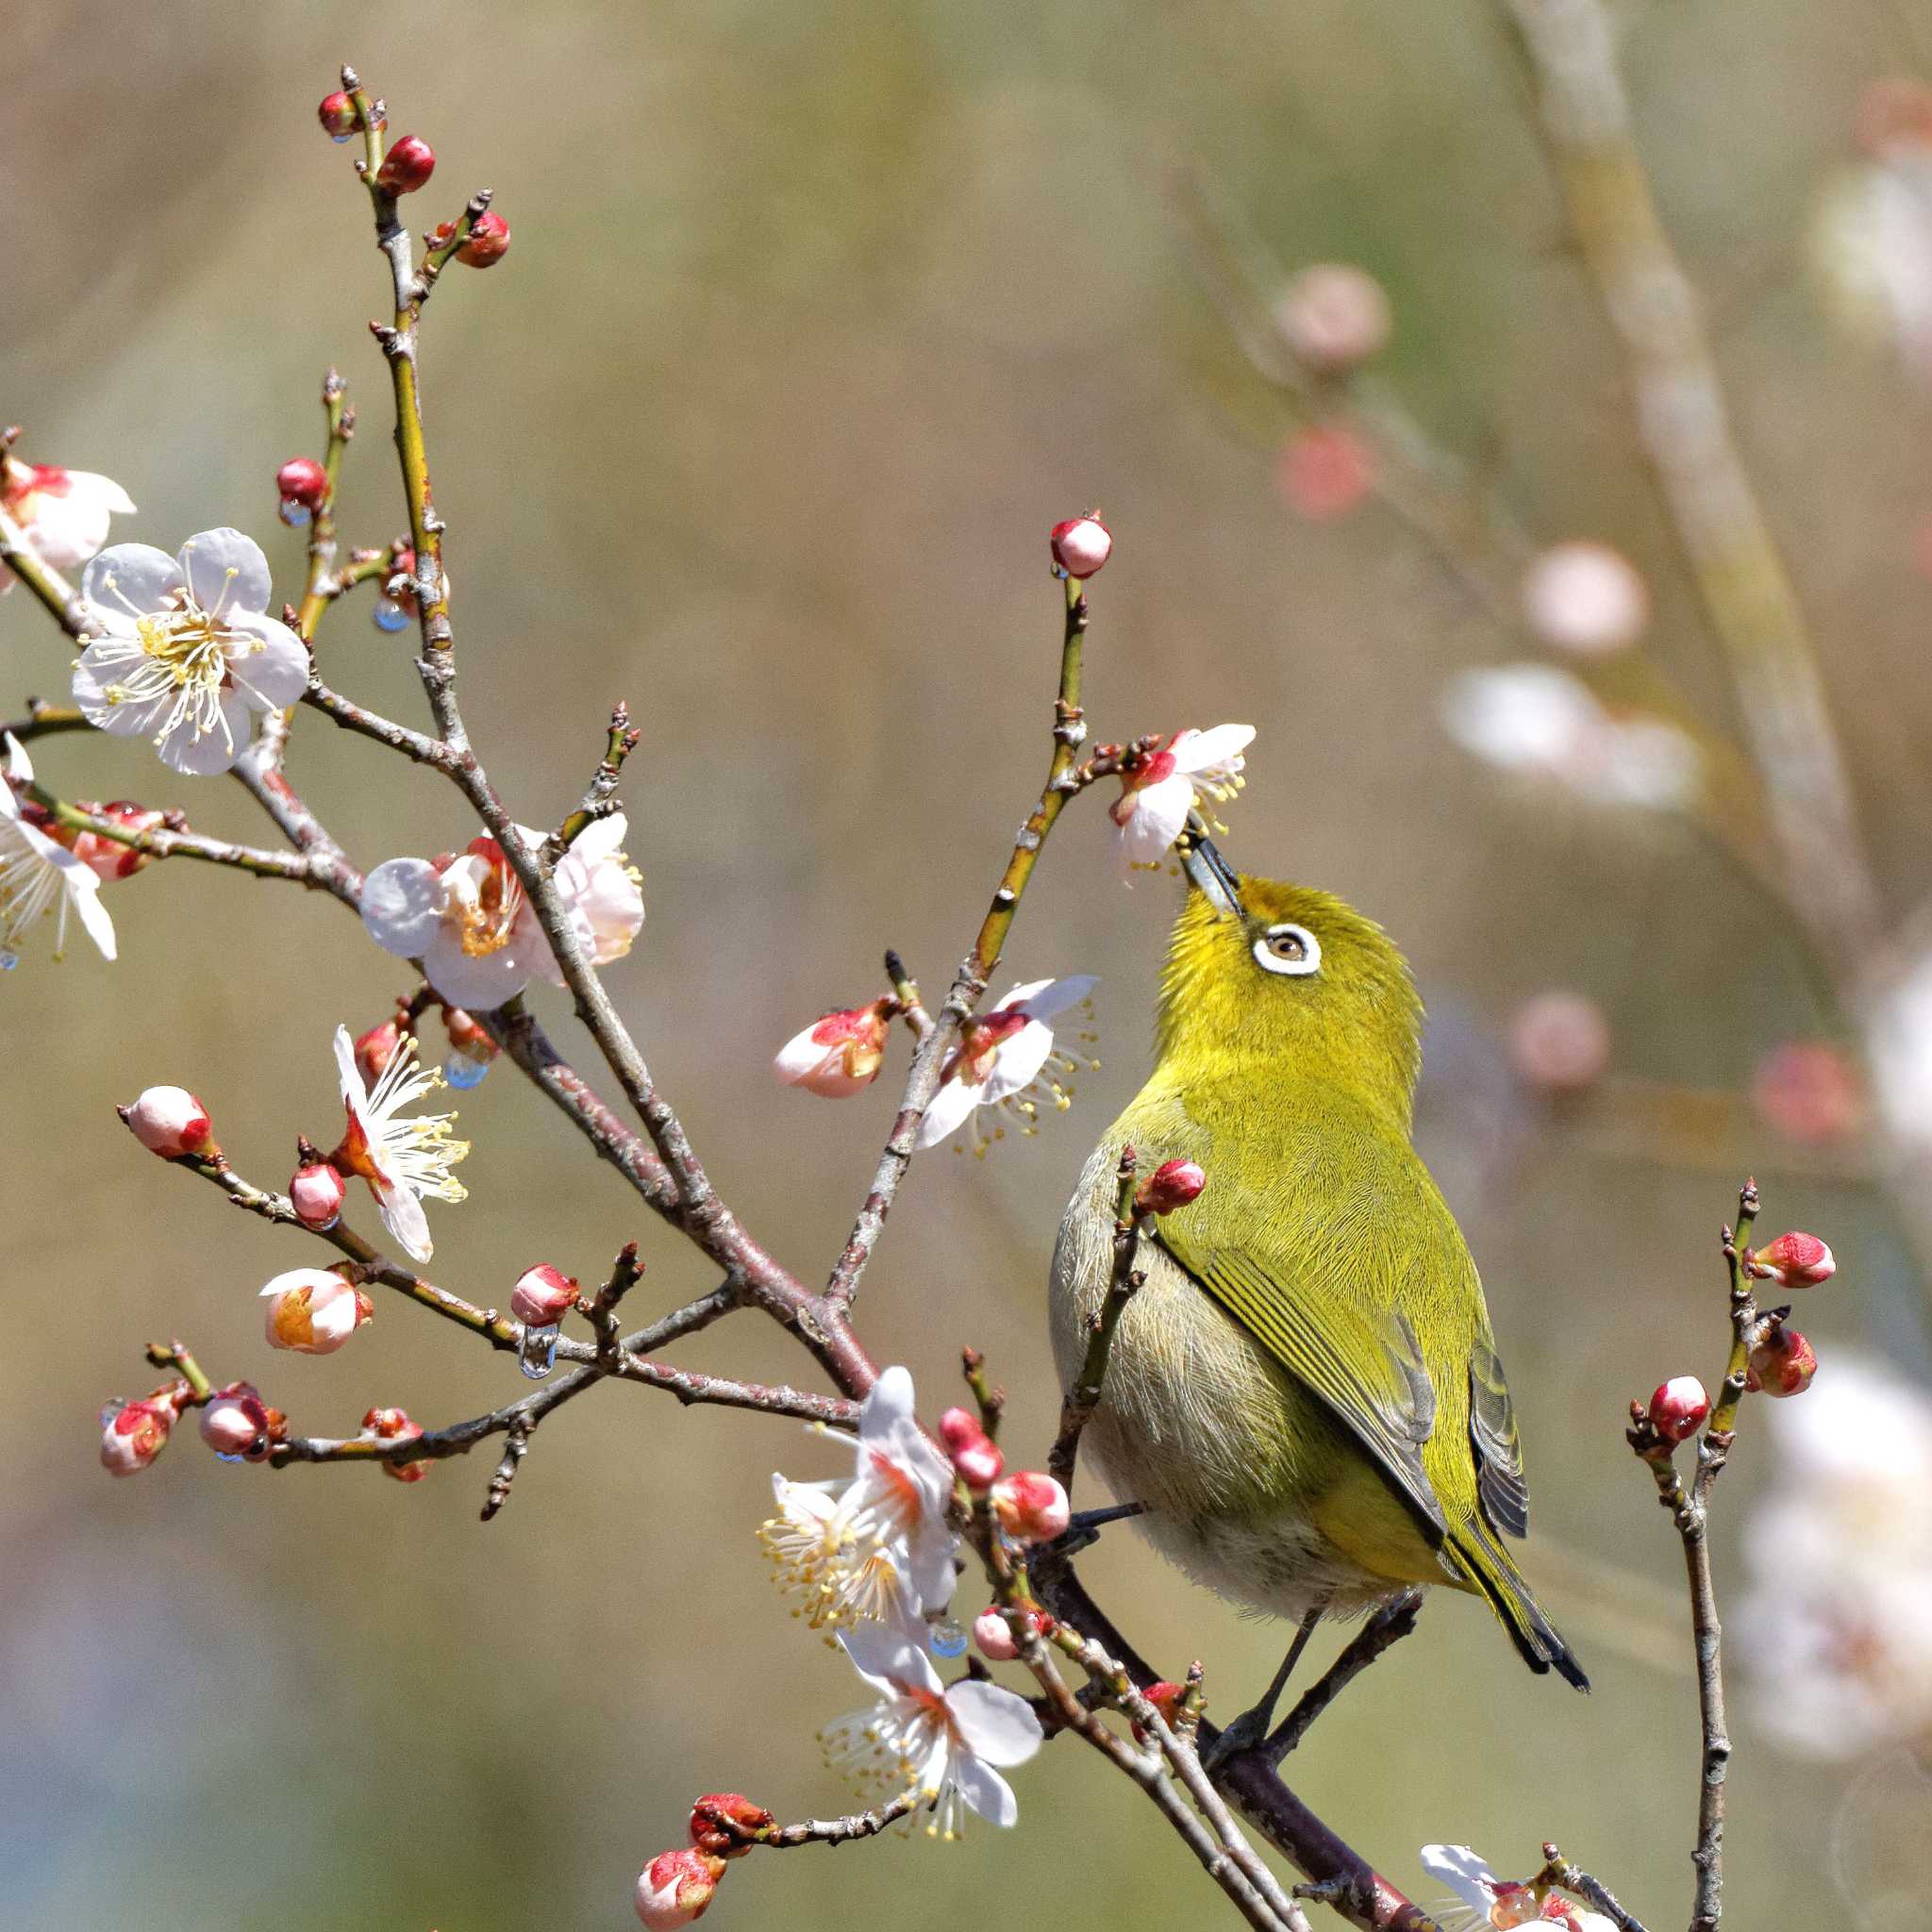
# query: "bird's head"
{"points": [[1267, 978]]}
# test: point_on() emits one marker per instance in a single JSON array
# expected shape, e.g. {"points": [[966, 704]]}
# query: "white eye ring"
{"points": [[1297, 962]]}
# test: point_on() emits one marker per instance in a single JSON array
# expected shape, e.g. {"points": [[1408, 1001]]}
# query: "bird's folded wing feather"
{"points": [[1499, 1483], [1368, 1370]]}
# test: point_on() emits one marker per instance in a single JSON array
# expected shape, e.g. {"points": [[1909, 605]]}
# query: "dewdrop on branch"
{"points": [[540, 1300], [677, 1887], [407, 167], [1678, 1409], [393, 1425], [472, 1051], [1793, 1260], [171, 1122], [1080, 545]]}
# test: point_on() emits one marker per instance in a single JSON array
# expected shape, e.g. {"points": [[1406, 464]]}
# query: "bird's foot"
{"points": [[1249, 1731]]}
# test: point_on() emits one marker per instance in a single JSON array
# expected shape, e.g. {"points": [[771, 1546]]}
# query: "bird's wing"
{"points": [[1499, 1483], [1368, 1370]]}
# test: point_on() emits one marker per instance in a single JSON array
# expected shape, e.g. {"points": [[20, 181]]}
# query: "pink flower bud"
{"points": [[170, 1122], [1172, 1184], [838, 1056], [1081, 545], [106, 857], [315, 1192], [1333, 317], [407, 166], [994, 1636], [375, 1049], [337, 114], [236, 1422], [1325, 472], [487, 243], [133, 1434], [975, 1453], [1781, 1364], [302, 480], [1793, 1260], [676, 1888], [1679, 1408], [1032, 1507], [1559, 1043], [542, 1295], [1809, 1091], [726, 1824], [314, 1311], [1586, 599], [393, 1425]]}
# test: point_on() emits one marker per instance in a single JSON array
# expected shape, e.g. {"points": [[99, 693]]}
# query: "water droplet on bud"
{"points": [[294, 514], [948, 1638], [537, 1352], [9, 961], [463, 1072], [389, 615], [342, 139]]}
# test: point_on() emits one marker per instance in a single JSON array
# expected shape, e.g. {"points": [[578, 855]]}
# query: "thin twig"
{"points": [[1083, 1398], [1558, 1870]]}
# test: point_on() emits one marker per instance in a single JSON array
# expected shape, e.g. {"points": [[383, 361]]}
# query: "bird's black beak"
{"points": [[1212, 873]]}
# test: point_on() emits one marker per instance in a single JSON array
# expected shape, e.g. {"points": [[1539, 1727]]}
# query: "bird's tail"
{"points": [[1490, 1569]]}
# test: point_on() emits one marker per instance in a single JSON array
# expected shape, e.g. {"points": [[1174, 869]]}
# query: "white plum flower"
{"points": [[1003, 1057], [1501, 1902], [881, 1548], [312, 1310], [838, 1056], [470, 922], [186, 650], [938, 1743], [1900, 1046], [62, 514], [403, 1160], [38, 875], [1159, 792], [1871, 247]]}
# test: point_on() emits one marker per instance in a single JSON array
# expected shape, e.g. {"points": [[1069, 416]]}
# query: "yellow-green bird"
{"points": [[1305, 1394]]}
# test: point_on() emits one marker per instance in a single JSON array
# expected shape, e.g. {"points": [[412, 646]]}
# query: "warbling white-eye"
{"points": [[1305, 1394]]}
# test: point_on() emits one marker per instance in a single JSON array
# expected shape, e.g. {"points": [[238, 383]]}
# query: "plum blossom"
{"points": [[468, 918], [312, 1310], [39, 876], [838, 1056], [403, 1160], [1501, 1902], [937, 1742], [880, 1547], [62, 514], [187, 649], [1159, 792], [1002, 1060]]}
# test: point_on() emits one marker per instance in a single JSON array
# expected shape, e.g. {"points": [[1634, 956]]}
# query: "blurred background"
{"points": [[818, 315]]}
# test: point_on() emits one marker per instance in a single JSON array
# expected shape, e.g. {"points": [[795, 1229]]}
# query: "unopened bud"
{"points": [[676, 1886], [994, 1636], [407, 166], [1679, 1408], [1172, 1184], [1325, 472], [302, 480], [1167, 1698], [337, 114], [170, 1122], [468, 1036], [542, 1295], [1080, 545], [107, 859], [975, 1453], [375, 1049], [1559, 1043], [1586, 599], [1032, 1507], [1333, 317], [487, 243], [1782, 1363], [314, 1311], [1793, 1260], [726, 1824], [393, 1425], [315, 1192], [838, 1056], [134, 1433], [239, 1425]]}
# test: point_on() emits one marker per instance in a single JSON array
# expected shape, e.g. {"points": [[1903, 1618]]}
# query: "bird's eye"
{"points": [[1288, 949]]}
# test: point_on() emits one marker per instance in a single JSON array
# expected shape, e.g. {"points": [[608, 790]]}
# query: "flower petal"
{"points": [[402, 906], [600, 839], [888, 1401], [889, 1659], [133, 577], [1159, 816], [78, 880], [985, 1791], [1463, 1872], [1017, 1061], [401, 1214], [226, 572], [103, 490], [998, 1725], [277, 673], [948, 1110], [1046, 997], [18, 766], [1202, 751], [348, 1074], [479, 981]]}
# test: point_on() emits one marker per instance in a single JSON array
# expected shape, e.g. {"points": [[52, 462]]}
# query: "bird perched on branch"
{"points": [[1305, 1393]]}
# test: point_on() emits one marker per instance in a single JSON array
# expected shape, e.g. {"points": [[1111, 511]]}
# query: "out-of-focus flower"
{"points": [[1809, 1091], [1172, 1184], [1002, 1060], [1559, 1043], [1333, 317], [1679, 1408], [1585, 598], [315, 1192], [1080, 545], [1325, 472], [1538, 721], [393, 1425], [725, 1824], [1159, 792], [1795, 1260], [171, 1122], [1032, 1507], [1781, 1362], [313, 1312], [134, 1433], [469, 921], [1501, 1902], [39, 876], [188, 649], [404, 1161], [1900, 1054], [677, 1888], [880, 1547], [941, 1742], [239, 1425], [407, 166], [976, 1455], [62, 514], [838, 1056], [1834, 1630]]}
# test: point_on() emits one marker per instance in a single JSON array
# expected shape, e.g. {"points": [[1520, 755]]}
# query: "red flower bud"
{"points": [[337, 114], [302, 480], [315, 1192], [542, 1295], [107, 859], [1081, 545], [236, 1423], [676, 1886], [1325, 472], [1032, 1507], [975, 1453], [1167, 1698], [375, 1049], [393, 1425], [407, 166], [1793, 1260], [487, 240], [726, 1824], [1172, 1184], [170, 1122], [1781, 1364], [468, 1036], [134, 1433], [1679, 1408]]}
